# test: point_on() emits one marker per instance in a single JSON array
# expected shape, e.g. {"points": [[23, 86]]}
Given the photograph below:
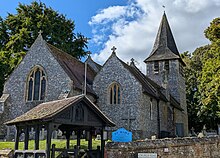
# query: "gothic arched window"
{"points": [[36, 84], [115, 94]]}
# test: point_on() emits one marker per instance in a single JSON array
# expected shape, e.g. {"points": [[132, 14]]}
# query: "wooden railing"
{"points": [[30, 154], [75, 153]]}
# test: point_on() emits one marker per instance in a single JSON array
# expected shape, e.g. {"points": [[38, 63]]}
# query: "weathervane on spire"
{"points": [[164, 7]]}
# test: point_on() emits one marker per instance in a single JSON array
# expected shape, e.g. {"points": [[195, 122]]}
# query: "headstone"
{"points": [[147, 155], [98, 137], [121, 135], [7, 153]]}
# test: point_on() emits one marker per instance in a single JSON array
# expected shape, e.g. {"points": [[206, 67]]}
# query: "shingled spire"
{"points": [[164, 46]]}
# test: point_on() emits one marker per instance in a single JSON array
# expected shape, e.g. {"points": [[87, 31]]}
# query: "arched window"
{"points": [[36, 84], [115, 94]]}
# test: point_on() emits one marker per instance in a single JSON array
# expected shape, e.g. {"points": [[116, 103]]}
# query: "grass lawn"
{"points": [[60, 143]]}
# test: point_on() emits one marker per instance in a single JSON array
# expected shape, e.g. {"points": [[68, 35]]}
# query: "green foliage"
{"points": [[203, 81], [4, 68], [213, 31], [18, 32], [24, 26]]}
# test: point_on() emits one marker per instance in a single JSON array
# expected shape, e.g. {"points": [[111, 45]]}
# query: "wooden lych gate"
{"points": [[75, 114]]}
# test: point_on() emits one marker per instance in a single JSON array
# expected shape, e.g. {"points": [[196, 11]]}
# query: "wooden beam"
{"points": [[78, 137], [17, 135], [49, 135], [68, 133], [90, 140], [26, 137], [102, 143], [37, 133]]}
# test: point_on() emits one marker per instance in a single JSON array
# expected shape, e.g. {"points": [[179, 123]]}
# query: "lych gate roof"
{"points": [[164, 47], [47, 111]]}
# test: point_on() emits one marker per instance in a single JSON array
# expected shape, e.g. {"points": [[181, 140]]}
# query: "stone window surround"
{"points": [[118, 93], [41, 77]]}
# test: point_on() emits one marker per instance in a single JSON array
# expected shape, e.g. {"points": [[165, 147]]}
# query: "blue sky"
{"points": [[80, 11], [131, 25]]}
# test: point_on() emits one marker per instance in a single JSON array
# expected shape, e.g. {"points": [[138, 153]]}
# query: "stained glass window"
{"points": [[36, 85]]}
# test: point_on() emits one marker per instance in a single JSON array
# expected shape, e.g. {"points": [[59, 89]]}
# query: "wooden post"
{"points": [[37, 138], [17, 135], [49, 134], [53, 151], [78, 137], [68, 139], [26, 137], [102, 143], [90, 140]]}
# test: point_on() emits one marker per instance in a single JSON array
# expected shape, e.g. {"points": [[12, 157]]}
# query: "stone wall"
{"points": [[57, 82], [167, 148], [113, 71], [133, 101], [174, 83]]}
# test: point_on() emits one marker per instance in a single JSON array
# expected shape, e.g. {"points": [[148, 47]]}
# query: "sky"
{"points": [[131, 25]]}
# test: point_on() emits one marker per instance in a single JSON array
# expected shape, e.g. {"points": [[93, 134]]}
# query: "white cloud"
{"points": [[108, 14], [132, 28]]}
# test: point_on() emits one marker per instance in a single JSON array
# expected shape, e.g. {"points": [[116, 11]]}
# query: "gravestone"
{"points": [[7, 153], [121, 135], [147, 155]]}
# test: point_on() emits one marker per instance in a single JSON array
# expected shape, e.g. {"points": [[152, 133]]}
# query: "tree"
{"points": [[210, 76], [193, 70], [24, 26], [18, 32], [203, 80]]}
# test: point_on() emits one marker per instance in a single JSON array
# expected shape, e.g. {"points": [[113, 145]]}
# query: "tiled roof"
{"points": [[95, 66], [74, 68], [164, 47], [46, 111], [148, 86]]}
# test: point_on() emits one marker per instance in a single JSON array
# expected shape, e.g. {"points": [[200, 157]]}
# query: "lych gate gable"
{"points": [[78, 114]]}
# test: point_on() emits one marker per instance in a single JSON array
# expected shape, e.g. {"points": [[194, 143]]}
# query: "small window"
{"points": [[36, 84], [156, 66], [166, 65], [114, 94]]}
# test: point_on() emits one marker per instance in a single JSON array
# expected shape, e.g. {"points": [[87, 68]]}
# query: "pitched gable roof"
{"points": [[95, 66], [74, 68], [164, 47], [48, 110], [148, 86]]}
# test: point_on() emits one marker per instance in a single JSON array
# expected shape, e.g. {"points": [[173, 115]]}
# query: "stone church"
{"points": [[151, 104]]}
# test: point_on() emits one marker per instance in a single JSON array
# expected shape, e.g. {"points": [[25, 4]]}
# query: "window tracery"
{"points": [[36, 84], [115, 94]]}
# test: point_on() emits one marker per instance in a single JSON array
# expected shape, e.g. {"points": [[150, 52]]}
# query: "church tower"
{"points": [[165, 66]]}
